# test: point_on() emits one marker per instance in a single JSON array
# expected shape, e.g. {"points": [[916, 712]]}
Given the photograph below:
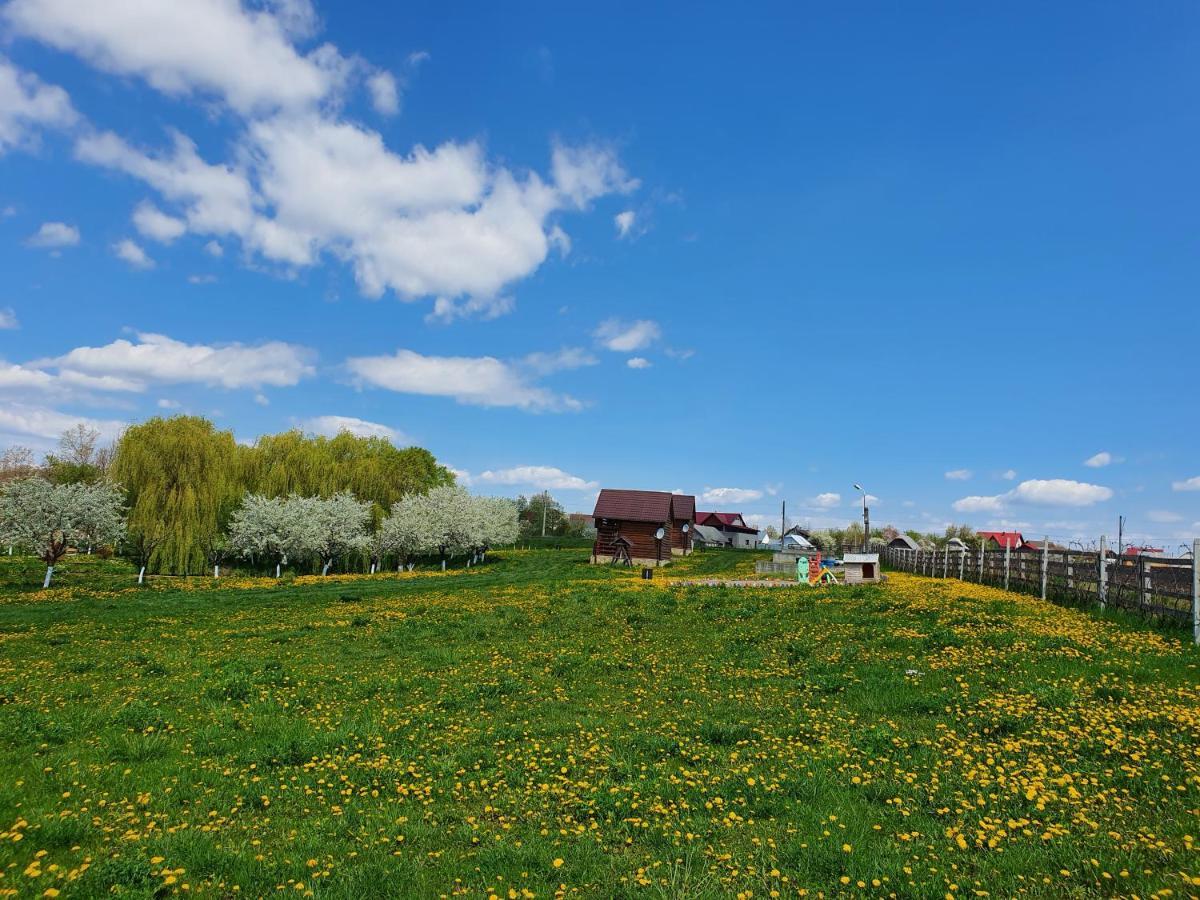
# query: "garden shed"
{"points": [[861, 568]]}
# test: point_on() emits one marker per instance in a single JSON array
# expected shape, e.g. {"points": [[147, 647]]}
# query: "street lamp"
{"points": [[866, 519]]}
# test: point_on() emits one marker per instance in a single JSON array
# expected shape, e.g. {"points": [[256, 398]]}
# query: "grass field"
{"points": [[539, 727]]}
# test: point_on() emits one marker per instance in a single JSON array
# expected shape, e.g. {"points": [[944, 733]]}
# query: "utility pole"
{"points": [[1120, 537], [782, 522], [544, 505]]}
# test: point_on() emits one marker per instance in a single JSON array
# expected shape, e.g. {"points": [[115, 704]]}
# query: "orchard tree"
{"points": [[493, 523], [448, 509], [407, 532], [329, 528], [261, 527], [49, 518]]}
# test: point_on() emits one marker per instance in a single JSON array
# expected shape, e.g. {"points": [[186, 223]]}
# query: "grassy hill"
{"points": [[540, 727]]}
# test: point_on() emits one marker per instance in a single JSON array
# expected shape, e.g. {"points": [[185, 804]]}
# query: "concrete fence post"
{"points": [[1068, 559], [962, 565], [982, 547], [1102, 582], [1195, 591], [1045, 564], [946, 561], [1007, 560]]}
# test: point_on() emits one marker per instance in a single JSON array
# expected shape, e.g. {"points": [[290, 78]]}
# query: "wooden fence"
{"points": [[1166, 590]]}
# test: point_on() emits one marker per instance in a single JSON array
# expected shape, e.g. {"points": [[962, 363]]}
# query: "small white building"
{"points": [[796, 542]]}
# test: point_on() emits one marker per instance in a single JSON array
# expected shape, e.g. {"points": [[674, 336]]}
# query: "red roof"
{"points": [[634, 506], [724, 521], [1004, 538], [1138, 551]]}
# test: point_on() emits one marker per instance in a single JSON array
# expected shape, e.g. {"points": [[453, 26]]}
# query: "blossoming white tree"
{"points": [[50, 519], [406, 532], [261, 527], [330, 527]]}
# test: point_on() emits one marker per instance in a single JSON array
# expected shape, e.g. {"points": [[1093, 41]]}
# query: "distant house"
{"points": [[766, 542], [1145, 551], [635, 526], [1036, 546], [793, 542], [707, 536], [957, 545], [903, 542], [733, 526], [998, 540]]}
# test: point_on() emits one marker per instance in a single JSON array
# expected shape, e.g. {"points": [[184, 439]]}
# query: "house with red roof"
{"points": [[999, 540], [731, 527], [643, 528]]}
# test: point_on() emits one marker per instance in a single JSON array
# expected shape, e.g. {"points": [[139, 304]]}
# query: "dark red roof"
{"points": [[1004, 538], [684, 506], [724, 521], [633, 506]]}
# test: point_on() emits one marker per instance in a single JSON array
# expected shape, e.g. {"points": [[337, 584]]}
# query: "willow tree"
{"points": [[183, 478]]}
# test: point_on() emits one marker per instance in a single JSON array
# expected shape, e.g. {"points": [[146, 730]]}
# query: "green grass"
{"points": [[431, 735]]}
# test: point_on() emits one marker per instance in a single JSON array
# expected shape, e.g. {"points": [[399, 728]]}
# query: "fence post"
{"points": [[1045, 563], [1195, 592], [1145, 589], [962, 565], [1007, 560], [1070, 570], [946, 561], [982, 546], [1102, 584]]}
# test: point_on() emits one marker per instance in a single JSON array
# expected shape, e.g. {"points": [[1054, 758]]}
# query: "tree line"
{"points": [[177, 493]]}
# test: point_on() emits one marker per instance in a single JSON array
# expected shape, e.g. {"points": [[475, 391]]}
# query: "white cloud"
{"points": [[623, 337], [1100, 460], [206, 47], [331, 426], [152, 222], [24, 420], [132, 253], [1163, 516], [582, 174], [958, 475], [638, 362], [202, 279], [27, 104], [385, 93], [730, 495], [8, 319], [1188, 484], [1039, 492], [827, 500], [544, 478], [1060, 492], [157, 359], [624, 222], [562, 360], [165, 403], [477, 381], [1009, 474], [979, 504], [214, 248], [53, 235]]}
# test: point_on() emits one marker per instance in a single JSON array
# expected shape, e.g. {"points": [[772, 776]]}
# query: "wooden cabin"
{"points": [[636, 526], [683, 523]]}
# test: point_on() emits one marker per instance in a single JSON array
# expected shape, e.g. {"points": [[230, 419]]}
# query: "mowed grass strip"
{"points": [[540, 727]]}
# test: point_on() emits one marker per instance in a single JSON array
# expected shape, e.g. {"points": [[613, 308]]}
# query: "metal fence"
{"points": [[1163, 589]]}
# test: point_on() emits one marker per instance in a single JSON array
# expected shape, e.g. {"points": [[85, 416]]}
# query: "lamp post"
{"points": [[866, 519]]}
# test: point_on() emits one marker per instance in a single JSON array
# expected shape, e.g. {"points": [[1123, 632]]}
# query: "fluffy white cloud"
{"points": [[8, 319], [53, 235], [209, 47], [1060, 492], [1039, 492], [979, 504], [22, 420], [27, 104], [152, 222], [132, 253], [624, 222], [385, 93], [624, 337], [958, 475], [638, 362], [730, 495], [544, 478], [331, 426], [1100, 460], [1188, 484], [1009, 474], [472, 380], [827, 500], [214, 248], [157, 359]]}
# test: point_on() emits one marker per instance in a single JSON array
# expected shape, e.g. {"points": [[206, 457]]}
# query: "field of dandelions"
{"points": [[536, 727]]}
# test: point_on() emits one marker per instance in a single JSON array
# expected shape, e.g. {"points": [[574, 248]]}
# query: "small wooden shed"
{"points": [[683, 523], [637, 523]]}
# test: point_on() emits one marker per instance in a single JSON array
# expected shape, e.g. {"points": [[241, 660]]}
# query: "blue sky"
{"points": [[753, 254]]}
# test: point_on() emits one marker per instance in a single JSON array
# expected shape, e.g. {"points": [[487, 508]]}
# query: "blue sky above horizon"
{"points": [[946, 252]]}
